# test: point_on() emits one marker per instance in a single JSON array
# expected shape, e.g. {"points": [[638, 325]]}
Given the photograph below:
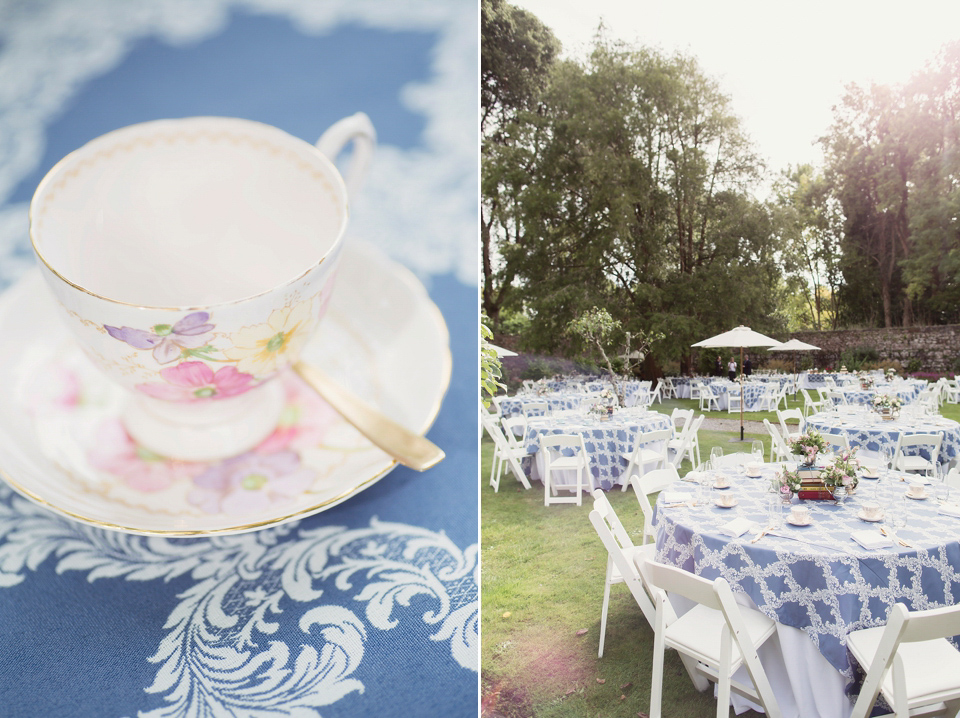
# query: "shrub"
{"points": [[914, 365], [856, 358]]}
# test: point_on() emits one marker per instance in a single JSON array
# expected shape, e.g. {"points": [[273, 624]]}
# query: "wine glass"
{"points": [[716, 457], [756, 451]]}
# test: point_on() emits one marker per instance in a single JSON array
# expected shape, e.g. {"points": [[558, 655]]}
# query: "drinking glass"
{"points": [[774, 511], [756, 450], [716, 457]]}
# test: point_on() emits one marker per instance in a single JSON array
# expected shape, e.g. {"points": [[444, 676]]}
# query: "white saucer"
{"points": [[916, 498], [869, 478], [726, 506], [754, 476], [790, 521], [722, 488], [862, 517], [62, 446]]}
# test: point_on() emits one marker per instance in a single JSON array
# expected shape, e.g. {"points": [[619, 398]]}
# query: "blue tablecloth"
{"points": [[817, 578], [605, 440], [369, 608], [872, 434]]}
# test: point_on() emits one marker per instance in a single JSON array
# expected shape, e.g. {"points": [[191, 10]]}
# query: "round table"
{"points": [[816, 579], [871, 434], [555, 401], [605, 441]]}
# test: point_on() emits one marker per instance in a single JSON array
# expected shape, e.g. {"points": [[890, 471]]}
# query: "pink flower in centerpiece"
{"points": [[251, 482], [195, 381], [115, 453]]}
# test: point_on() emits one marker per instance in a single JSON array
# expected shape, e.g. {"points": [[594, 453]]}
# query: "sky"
{"points": [[784, 64]]}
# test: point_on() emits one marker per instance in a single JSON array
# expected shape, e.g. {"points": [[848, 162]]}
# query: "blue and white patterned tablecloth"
{"points": [[816, 578], [819, 380], [865, 397], [872, 434], [513, 405], [369, 608], [605, 441]]}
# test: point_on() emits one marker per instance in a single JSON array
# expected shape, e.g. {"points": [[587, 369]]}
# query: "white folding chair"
{"points": [[784, 417], [916, 462], [681, 420], [734, 401], [810, 406], [778, 447], [837, 398], [688, 445], [504, 452], [709, 398], [655, 396], [562, 453], [651, 482], [535, 408], [669, 390], [650, 448], [717, 633], [769, 400], [836, 441], [910, 662], [696, 389], [622, 561]]}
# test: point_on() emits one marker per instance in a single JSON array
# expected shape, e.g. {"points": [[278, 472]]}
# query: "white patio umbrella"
{"points": [[501, 352], [794, 345], [740, 337]]}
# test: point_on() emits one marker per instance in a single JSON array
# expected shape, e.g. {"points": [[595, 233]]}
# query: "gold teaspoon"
{"points": [[410, 449]]}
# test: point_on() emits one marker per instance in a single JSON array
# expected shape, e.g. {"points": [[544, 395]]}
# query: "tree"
{"points": [[601, 332], [517, 51]]}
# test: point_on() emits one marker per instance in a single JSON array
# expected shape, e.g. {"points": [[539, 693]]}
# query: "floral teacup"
{"points": [[193, 259]]}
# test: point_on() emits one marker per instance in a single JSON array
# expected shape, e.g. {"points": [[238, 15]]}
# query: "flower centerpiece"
{"points": [[541, 387], [866, 381], [887, 405], [842, 471], [807, 446], [889, 373], [786, 483]]}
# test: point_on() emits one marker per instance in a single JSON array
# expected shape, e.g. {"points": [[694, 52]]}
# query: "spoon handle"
{"points": [[408, 448]]}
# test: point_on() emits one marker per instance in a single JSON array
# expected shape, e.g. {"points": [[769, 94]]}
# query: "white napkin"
{"points": [[737, 527], [871, 539], [950, 510], [675, 497]]}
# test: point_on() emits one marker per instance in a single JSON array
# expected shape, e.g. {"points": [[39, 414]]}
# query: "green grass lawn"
{"points": [[542, 572], [542, 577]]}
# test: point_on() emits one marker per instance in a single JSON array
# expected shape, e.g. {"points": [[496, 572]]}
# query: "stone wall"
{"points": [[937, 348]]}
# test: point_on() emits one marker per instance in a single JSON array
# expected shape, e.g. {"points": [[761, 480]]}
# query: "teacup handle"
{"points": [[359, 129]]}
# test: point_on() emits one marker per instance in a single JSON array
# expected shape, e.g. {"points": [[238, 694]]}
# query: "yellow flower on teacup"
{"points": [[265, 348]]}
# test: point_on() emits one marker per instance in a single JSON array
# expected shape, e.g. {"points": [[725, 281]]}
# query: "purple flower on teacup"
{"points": [[195, 381], [250, 482], [167, 341]]}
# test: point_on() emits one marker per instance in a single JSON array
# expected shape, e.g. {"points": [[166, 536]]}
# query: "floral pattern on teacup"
{"points": [[169, 342], [195, 381], [258, 352], [261, 348]]}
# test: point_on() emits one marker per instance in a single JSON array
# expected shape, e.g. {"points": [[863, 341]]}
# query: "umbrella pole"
{"points": [[741, 394]]}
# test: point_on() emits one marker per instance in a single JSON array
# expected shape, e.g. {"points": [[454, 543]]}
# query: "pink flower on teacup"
{"points": [[251, 482], [168, 341], [195, 381]]}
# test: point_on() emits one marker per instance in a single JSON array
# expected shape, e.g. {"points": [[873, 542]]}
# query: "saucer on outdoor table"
{"points": [[869, 476], [726, 506], [62, 444], [921, 497], [863, 517], [795, 522], [754, 476]]}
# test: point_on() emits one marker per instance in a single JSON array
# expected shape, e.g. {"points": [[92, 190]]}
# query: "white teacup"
{"points": [[753, 468], [193, 259], [872, 510], [800, 514], [917, 489], [726, 500], [720, 481]]}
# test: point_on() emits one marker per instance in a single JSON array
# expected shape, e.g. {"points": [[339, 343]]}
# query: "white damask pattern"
{"points": [[221, 654], [419, 205]]}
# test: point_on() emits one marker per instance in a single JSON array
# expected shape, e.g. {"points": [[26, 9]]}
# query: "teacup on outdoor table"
{"points": [[754, 469], [720, 481], [917, 489], [800, 515], [193, 259], [872, 511]]}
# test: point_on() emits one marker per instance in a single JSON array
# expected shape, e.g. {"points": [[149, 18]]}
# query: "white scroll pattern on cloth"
{"points": [[223, 634]]}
